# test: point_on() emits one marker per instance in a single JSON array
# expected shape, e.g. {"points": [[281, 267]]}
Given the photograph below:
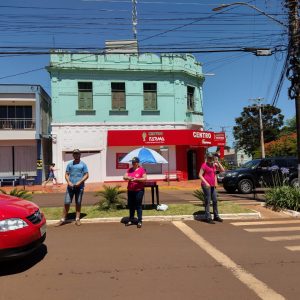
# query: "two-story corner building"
{"points": [[25, 140], [109, 104]]}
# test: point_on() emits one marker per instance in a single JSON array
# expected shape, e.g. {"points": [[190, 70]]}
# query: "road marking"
{"points": [[282, 238], [293, 248], [265, 223], [272, 229], [257, 286]]}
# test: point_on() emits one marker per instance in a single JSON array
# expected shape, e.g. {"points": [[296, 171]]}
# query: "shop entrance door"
{"points": [[192, 164]]}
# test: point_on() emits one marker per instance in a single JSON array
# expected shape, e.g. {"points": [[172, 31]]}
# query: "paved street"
{"points": [[163, 260]]}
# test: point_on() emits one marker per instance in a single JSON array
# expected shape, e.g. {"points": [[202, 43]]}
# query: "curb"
{"points": [[291, 213], [240, 216]]}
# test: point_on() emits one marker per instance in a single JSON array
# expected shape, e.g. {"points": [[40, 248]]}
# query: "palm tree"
{"points": [[111, 198], [199, 195], [18, 193]]}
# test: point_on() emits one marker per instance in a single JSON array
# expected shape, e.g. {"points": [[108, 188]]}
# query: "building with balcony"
{"points": [[25, 142], [108, 104]]}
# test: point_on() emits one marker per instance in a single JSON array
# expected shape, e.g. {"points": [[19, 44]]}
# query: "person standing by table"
{"points": [[208, 178], [136, 177]]}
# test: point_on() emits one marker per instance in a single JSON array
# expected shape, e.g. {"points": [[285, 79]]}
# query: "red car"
{"points": [[22, 227]]}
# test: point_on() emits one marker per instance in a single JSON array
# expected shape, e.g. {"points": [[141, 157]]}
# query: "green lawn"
{"points": [[54, 213]]}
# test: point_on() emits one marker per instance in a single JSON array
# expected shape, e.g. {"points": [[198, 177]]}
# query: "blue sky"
{"points": [[163, 26]]}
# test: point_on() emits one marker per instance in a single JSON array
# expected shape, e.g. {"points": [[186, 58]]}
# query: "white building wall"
{"points": [[101, 160], [86, 138]]}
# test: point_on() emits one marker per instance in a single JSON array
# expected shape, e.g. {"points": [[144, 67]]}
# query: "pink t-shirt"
{"points": [[136, 185], [209, 174]]}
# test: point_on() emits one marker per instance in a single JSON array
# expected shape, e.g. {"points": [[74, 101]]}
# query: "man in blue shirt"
{"points": [[76, 174]]}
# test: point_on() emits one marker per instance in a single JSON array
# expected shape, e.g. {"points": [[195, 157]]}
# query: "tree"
{"points": [[290, 126], [247, 131], [286, 145]]}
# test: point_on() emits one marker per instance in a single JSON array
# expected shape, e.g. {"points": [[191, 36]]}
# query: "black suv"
{"points": [[264, 172]]}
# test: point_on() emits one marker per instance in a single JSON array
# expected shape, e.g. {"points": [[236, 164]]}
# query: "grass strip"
{"points": [[54, 213]]}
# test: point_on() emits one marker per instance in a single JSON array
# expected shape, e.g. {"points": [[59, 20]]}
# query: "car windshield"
{"points": [[251, 164]]}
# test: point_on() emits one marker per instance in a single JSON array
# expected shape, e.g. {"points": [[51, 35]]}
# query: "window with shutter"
{"points": [[118, 96], [85, 95], [190, 98], [150, 96]]}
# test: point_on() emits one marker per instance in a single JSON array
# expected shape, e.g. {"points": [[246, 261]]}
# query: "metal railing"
{"points": [[17, 124]]}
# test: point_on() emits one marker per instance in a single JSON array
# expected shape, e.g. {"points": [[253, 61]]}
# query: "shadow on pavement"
{"points": [[20, 265], [199, 215], [72, 216]]}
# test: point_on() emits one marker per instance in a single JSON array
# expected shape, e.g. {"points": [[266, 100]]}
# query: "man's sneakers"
{"points": [[60, 222], [63, 221]]}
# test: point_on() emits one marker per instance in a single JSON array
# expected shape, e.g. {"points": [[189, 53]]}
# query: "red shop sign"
{"points": [[165, 137]]}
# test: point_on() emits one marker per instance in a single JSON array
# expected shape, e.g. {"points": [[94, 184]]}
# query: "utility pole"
{"points": [[261, 127], [293, 72], [134, 19]]}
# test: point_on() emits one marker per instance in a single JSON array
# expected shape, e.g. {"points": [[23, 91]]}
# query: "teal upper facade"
{"points": [[125, 88]]}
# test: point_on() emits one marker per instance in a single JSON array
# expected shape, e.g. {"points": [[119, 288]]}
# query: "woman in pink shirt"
{"points": [[136, 177], [208, 178]]}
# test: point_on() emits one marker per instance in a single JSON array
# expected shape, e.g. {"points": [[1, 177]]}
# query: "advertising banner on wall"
{"points": [[120, 165], [165, 137]]}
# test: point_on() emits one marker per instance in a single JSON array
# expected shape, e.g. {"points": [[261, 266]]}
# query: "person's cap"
{"points": [[135, 160], [76, 151], [216, 155], [209, 155]]}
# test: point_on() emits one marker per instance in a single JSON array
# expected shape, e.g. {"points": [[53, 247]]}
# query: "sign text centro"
{"points": [[155, 137], [201, 135]]}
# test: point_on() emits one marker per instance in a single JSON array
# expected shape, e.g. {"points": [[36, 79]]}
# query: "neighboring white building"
{"points": [[25, 143], [236, 158]]}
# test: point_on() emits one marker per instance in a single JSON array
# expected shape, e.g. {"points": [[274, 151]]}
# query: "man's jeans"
{"points": [[210, 194], [74, 191], [135, 200]]}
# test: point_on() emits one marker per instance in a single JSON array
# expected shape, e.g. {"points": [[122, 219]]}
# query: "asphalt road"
{"points": [[163, 260], [166, 196]]}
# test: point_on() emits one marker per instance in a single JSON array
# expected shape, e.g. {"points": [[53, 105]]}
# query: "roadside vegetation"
{"points": [[54, 213], [283, 197], [111, 198], [20, 193]]}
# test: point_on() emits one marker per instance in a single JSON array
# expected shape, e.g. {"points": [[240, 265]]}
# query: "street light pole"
{"points": [[293, 73], [251, 6], [261, 127], [262, 142]]}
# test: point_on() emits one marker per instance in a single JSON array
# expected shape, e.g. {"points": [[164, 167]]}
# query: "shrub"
{"points": [[199, 195], [18, 193], [111, 198], [283, 197]]}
